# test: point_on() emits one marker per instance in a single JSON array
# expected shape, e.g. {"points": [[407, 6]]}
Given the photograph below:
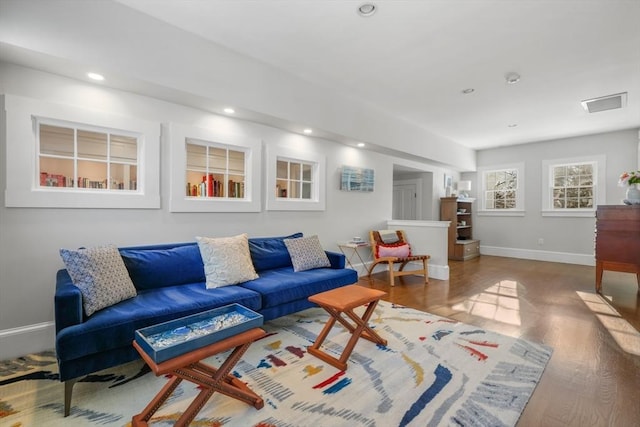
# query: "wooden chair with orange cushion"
{"points": [[392, 247]]}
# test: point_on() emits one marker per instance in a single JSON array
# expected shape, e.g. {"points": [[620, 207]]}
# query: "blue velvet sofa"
{"points": [[170, 283]]}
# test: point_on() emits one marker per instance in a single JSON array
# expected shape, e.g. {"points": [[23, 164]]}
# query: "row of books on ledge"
{"points": [[210, 187], [58, 180]]}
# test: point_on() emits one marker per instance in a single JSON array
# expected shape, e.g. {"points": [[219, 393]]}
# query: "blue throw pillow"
{"points": [[270, 252], [156, 268]]}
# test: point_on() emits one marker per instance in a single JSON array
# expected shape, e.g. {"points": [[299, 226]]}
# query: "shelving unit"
{"points": [[462, 246]]}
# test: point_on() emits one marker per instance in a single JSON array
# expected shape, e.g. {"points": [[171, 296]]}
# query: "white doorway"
{"points": [[405, 200]]}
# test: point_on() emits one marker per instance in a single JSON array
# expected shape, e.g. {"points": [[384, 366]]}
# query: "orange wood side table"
{"points": [[189, 367], [345, 300]]}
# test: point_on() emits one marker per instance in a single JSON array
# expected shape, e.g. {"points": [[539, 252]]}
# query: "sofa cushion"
{"points": [[282, 286], [226, 260], [115, 326], [306, 253], [270, 252], [100, 274], [158, 267]]}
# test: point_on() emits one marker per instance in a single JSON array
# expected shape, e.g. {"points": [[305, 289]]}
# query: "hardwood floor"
{"points": [[593, 378]]}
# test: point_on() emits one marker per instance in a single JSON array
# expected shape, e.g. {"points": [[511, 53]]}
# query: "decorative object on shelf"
{"points": [[463, 189], [630, 180], [448, 181]]}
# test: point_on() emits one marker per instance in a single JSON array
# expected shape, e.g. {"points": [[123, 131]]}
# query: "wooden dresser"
{"points": [[617, 240]]}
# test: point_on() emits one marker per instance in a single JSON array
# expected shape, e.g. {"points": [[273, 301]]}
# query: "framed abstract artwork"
{"points": [[356, 179]]}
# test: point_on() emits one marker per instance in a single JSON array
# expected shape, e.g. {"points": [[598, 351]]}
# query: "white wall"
{"points": [[565, 239], [31, 237]]}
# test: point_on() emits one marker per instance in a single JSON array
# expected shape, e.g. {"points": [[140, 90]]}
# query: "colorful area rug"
{"points": [[434, 371]]}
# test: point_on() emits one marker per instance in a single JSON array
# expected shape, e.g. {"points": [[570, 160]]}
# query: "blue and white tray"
{"points": [[167, 340]]}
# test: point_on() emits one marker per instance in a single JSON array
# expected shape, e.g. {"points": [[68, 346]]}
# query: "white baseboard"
{"points": [[28, 339], [440, 272], [537, 255]]}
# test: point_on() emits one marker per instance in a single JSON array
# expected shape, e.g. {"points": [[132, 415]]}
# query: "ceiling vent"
{"points": [[604, 103]]}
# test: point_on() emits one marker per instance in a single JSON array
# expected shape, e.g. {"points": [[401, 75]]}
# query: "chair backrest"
{"points": [[377, 237]]}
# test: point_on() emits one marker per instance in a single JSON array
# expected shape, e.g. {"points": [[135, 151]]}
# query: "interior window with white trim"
{"points": [[82, 157], [294, 179], [215, 170]]}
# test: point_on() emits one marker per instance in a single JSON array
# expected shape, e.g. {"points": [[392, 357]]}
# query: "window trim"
{"points": [[177, 136], [547, 208], [520, 192], [22, 183], [273, 203]]}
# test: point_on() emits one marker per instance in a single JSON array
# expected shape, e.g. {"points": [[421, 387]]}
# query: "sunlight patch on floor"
{"points": [[497, 302], [624, 334]]}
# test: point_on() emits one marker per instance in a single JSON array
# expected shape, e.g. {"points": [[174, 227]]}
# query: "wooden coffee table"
{"points": [[345, 300], [189, 367]]}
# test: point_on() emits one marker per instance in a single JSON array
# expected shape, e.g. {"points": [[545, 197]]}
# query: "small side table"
{"points": [[189, 367], [351, 250], [345, 300]]}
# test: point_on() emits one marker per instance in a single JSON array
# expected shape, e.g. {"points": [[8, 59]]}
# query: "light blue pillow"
{"points": [[100, 274]]}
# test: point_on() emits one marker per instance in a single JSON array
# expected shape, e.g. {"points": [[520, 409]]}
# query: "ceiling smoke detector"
{"points": [[367, 9], [604, 103], [512, 78]]}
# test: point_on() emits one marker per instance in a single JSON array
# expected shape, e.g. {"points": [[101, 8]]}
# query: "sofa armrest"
{"points": [[67, 302], [336, 259]]}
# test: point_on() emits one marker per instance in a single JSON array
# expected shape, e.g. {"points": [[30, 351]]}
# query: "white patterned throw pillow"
{"points": [[100, 274], [226, 260], [306, 253]]}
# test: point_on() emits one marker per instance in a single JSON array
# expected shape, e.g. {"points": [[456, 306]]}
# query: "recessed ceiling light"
{"points": [[512, 78], [360, 144], [229, 110], [367, 9], [468, 90], [307, 131], [95, 76]]}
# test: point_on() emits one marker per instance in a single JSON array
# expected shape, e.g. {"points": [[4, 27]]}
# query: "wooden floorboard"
{"points": [[593, 377]]}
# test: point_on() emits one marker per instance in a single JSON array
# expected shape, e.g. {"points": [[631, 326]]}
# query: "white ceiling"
{"points": [[413, 58], [410, 60]]}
